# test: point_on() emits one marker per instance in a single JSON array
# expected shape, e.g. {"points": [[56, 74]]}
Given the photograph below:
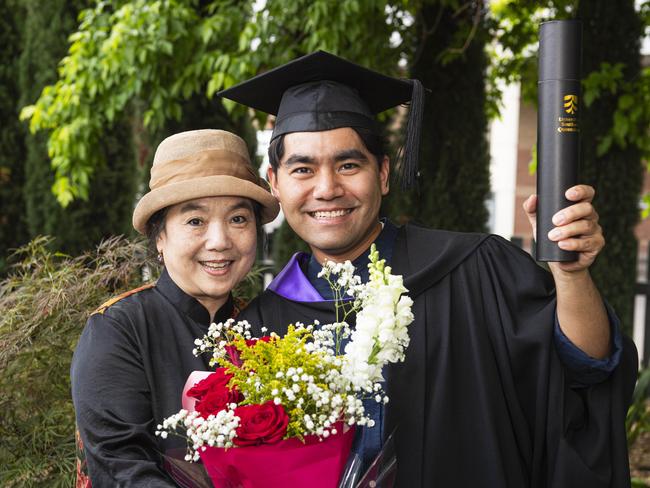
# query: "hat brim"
{"points": [[207, 186]]}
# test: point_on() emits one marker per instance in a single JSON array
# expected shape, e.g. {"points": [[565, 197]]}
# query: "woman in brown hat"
{"points": [[135, 353]]}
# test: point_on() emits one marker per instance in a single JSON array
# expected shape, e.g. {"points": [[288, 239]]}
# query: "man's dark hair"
{"points": [[375, 144]]}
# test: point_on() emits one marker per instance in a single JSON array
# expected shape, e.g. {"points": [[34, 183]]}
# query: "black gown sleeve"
{"points": [[577, 434], [113, 408]]}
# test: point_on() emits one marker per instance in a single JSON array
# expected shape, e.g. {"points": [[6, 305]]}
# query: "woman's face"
{"points": [[208, 246]]}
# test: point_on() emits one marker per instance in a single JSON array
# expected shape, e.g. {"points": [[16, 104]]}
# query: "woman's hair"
{"points": [[154, 227], [373, 141], [156, 224]]}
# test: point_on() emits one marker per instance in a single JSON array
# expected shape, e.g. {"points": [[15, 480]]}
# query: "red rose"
{"points": [[216, 400], [261, 424], [217, 379], [233, 352], [213, 393]]}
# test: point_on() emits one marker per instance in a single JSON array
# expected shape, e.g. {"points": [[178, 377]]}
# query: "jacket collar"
{"points": [[189, 305]]}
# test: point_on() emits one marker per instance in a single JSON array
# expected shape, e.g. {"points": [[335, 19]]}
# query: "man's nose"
{"points": [[328, 186]]}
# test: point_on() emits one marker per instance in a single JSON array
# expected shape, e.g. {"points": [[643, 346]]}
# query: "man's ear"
{"points": [[384, 175], [273, 181]]}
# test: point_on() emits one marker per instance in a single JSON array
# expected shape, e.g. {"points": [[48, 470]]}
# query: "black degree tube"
{"points": [[558, 128]]}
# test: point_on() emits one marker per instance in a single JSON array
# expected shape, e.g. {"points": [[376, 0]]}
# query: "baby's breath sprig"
{"points": [[342, 281], [215, 431], [219, 336]]}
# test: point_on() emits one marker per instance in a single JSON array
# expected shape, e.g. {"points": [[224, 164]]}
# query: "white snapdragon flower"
{"points": [[381, 335]]}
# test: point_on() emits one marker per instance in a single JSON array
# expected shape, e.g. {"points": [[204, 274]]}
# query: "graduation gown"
{"points": [[482, 399]]}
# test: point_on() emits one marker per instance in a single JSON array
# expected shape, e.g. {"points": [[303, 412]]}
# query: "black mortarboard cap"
{"points": [[321, 91]]}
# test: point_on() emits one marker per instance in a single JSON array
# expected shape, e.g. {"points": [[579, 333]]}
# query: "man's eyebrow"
{"points": [[339, 156], [350, 154], [299, 159], [191, 207]]}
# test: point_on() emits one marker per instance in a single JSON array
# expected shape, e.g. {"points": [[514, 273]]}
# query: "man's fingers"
{"points": [[582, 210], [530, 204], [581, 227], [580, 192], [591, 244]]}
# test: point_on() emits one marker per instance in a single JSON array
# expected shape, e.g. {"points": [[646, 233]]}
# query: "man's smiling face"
{"points": [[330, 188]]}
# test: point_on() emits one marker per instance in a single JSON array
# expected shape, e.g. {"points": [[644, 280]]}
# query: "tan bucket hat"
{"points": [[198, 164]]}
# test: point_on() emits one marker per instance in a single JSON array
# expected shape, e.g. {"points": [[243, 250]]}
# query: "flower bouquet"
{"points": [[281, 411]]}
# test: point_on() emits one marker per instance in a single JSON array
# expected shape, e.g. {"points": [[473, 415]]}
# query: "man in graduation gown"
{"points": [[514, 377]]}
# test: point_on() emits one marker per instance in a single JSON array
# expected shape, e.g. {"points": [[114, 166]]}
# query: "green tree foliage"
{"points": [[514, 25], [162, 52], [113, 60], [112, 187], [13, 231], [631, 117], [611, 32]]}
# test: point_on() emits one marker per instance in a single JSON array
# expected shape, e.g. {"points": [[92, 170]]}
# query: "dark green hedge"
{"points": [[13, 231]]}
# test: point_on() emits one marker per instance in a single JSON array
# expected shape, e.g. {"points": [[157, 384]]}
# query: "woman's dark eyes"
{"points": [[239, 219]]}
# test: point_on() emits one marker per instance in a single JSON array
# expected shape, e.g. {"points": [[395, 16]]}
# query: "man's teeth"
{"points": [[216, 265], [331, 214]]}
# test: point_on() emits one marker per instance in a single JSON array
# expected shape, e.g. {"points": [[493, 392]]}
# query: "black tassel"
{"points": [[408, 167]]}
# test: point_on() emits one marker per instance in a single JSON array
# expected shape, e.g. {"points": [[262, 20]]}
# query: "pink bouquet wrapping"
{"points": [[282, 411], [289, 463]]}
